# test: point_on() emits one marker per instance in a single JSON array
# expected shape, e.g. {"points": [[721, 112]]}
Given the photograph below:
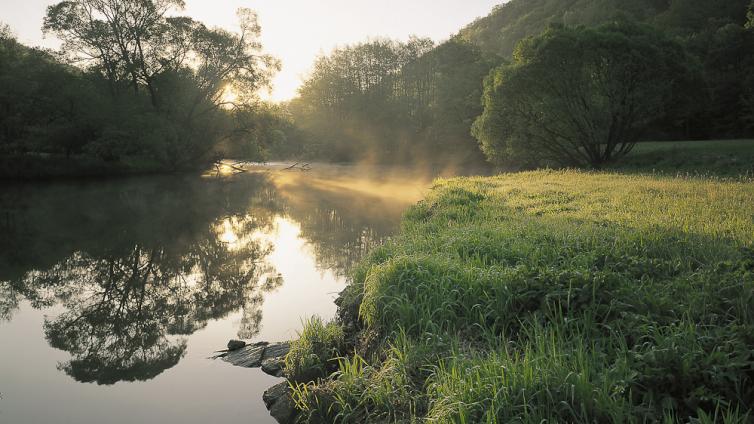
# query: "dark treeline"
{"points": [[396, 102], [133, 88]]}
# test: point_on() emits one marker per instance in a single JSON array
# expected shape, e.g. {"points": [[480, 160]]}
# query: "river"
{"points": [[114, 293]]}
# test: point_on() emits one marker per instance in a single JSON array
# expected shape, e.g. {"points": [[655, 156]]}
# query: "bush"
{"points": [[315, 354]]}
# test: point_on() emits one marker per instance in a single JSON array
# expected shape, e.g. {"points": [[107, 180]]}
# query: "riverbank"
{"points": [[562, 296], [34, 167]]}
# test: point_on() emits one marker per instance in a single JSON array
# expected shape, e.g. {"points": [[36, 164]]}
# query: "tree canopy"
{"points": [[363, 101], [392, 101], [135, 87], [579, 96]]}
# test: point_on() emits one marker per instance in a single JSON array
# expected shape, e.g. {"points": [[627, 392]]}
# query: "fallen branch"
{"points": [[301, 167], [291, 167], [234, 166]]}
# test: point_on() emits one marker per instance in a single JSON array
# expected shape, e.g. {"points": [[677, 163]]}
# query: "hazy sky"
{"points": [[296, 31]]}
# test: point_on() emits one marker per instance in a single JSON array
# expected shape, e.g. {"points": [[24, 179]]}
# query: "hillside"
{"points": [[388, 101], [508, 23]]}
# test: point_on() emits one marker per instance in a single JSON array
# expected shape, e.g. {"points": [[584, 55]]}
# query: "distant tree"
{"points": [[393, 101], [5, 32], [358, 98], [578, 96]]}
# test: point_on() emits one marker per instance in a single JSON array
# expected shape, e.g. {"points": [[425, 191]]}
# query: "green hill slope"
{"points": [[508, 23]]}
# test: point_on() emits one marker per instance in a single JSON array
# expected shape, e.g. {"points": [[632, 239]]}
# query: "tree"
{"points": [[185, 68], [5, 32], [124, 38], [359, 97], [393, 101], [578, 96], [748, 95], [200, 116]]}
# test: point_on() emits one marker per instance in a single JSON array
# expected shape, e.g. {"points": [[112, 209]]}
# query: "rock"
{"points": [[271, 358], [253, 355], [274, 393], [273, 367], [278, 401], [236, 344], [284, 410], [277, 350], [249, 356]]}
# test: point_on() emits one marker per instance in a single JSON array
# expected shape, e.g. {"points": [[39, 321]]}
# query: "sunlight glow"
{"points": [[229, 97], [227, 233]]}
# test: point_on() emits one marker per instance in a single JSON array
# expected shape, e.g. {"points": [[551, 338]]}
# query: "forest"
{"points": [[412, 102], [141, 90]]}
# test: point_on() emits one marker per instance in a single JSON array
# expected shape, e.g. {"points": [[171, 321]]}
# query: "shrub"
{"points": [[314, 355]]}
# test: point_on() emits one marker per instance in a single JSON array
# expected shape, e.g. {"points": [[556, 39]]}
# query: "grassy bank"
{"points": [[559, 296], [718, 158]]}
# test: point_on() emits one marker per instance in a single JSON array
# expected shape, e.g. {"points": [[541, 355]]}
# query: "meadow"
{"points": [[720, 158], [548, 296]]}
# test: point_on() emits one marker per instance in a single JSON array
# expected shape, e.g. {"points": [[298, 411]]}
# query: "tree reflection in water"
{"points": [[128, 302], [136, 266]]}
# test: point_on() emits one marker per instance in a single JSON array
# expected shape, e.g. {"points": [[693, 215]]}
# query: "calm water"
{"points": [[113, 294]]}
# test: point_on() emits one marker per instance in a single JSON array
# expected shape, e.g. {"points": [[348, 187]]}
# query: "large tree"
{"points": [[186, 69], [578, 96], [136, 41], [124, 38]]}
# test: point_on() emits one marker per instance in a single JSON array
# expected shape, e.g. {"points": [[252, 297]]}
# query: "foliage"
{"points": [[314, 354], [579, 96], [712, 31], [261, 131], [500, 31], [355, 105], [134, 83], [559, 296], [391, 101]]}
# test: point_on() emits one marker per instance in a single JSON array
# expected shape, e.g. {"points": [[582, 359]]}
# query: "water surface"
{"points": [[114, 293]]}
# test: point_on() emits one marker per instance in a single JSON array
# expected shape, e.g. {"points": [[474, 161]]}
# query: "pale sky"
{"points": [[296, 31]]}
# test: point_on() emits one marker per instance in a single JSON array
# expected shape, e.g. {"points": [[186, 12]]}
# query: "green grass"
{"points": [[720, 158], [313, 354], [555, 296]]}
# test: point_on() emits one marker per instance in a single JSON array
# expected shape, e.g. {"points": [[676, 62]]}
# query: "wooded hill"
{"points": [[498, 32], [425, 106]]}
